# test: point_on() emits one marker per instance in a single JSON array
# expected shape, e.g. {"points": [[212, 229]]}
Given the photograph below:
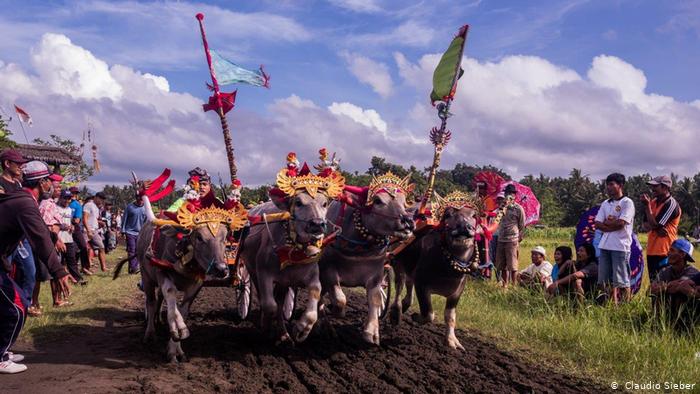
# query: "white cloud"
{"points": [[367, 117], [364, 6], [370, 72], [528, 114], [72, 70], [148, 127]]}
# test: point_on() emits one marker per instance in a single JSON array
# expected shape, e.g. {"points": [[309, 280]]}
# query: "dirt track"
{"points": [[230, 356]]}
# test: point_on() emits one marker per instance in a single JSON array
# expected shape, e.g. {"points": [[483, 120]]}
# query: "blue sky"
{"points": [[352, 51]]}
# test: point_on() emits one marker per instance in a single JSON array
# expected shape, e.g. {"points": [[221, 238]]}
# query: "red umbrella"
{"points": [[527, 199]]}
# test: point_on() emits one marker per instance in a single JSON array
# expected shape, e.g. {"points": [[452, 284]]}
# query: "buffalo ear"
{"points": [[282, 203]]}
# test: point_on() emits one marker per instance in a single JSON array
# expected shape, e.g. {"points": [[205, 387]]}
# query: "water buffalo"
{"points": [[357, 257], [185, 253], [283, 255], [438, 261]]}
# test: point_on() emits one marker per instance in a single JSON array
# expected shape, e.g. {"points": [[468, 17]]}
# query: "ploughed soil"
{"points": [[229, 355]]}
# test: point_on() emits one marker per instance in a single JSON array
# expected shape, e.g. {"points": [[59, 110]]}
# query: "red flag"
{"points": [[23, 115], [227, 102]]}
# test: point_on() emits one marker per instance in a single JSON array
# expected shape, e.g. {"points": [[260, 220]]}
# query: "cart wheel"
{"points": [[386, 290], [290, 302], [242, 293]]}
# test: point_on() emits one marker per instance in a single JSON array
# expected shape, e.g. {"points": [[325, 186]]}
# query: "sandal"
{"points": [[60, 304], [33, 311]]}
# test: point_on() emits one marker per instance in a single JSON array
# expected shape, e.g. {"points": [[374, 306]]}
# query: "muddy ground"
{"points": [[227, 355]]}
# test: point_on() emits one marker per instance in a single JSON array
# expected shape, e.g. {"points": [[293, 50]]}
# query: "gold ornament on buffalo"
{"points": [[389, 183], [212, 217], [332, 186], [457, 200]]}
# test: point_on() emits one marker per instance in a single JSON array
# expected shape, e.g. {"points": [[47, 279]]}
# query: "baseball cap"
{"points": [[66, 194], [501, 195], [540, 250], [685, 246], [12, 155], [74, 190], [35, 169], [661, 180], [56, 177]]}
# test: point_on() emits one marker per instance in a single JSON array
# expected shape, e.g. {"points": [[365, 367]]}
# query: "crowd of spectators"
{"points": [[49, 232]]}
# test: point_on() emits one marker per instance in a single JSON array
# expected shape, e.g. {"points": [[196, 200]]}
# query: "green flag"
{"points": [[448, 71]]}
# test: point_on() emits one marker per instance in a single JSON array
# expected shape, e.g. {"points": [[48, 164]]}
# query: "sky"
{"points": [[603, 86]]}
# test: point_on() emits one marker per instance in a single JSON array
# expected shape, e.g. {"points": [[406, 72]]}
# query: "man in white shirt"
{"points": [[91, 215], [615, 219], [539, 273]]}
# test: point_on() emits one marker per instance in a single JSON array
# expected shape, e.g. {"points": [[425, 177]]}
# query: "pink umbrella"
{"points": [[527, 199]]}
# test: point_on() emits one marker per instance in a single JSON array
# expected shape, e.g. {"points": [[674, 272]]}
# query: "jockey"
{"points": [[199, 193]]}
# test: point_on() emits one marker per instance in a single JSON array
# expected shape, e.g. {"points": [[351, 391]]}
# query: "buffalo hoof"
{"points": [[371, 337], [453, 342], [420, 319], [285, 339]]}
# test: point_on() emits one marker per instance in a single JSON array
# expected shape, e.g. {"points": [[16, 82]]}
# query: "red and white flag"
{"points": [[23, 115]]}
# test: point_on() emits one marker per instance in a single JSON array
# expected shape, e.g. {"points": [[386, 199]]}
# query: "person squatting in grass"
{"points": [[674, 286], [510, 234], [615, 219], [537, 275], [562, 256], [577, 278], [21, 218], [662, 215]]}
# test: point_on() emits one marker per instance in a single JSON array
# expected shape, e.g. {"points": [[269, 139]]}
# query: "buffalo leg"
{"points": [[151, 311], [338, 300], [451, 321], [425, 304], [399, 281], [280, 294], [408, 298], [308, 319], [374, 301], [176, 324]]}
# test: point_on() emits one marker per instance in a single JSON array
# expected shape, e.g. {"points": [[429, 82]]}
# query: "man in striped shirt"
{"points": [[662, 215]]}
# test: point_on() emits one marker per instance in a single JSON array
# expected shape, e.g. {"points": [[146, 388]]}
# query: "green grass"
{"points": [[606, 344], [609, 344], [91, 303]]}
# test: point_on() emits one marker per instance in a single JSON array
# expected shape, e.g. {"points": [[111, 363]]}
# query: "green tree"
{"points": [[5, 133]]}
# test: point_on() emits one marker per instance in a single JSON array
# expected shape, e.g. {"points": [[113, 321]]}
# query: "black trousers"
{"points": [[11, 313], [70, 260], [79, 241]]}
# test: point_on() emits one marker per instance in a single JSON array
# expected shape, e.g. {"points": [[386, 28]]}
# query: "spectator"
{"points": [[79, 237], [107, 220], [615, 219], [91, 215], [670, 289], [10, 182], [52, 218], [562, 257], [578, 278], [21, 218], [133, 220], [662, 215], [11, 162], [510, 233], [69, 258], [539, 273]]}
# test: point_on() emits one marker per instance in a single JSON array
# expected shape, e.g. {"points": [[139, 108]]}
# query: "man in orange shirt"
{"points": [[662, 215]]}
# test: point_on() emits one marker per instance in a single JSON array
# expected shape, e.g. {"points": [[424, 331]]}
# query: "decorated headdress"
{"points": [[211, 217], [458, 200], [198, 174], [389, 183], [292, 180], [328, 164]]}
